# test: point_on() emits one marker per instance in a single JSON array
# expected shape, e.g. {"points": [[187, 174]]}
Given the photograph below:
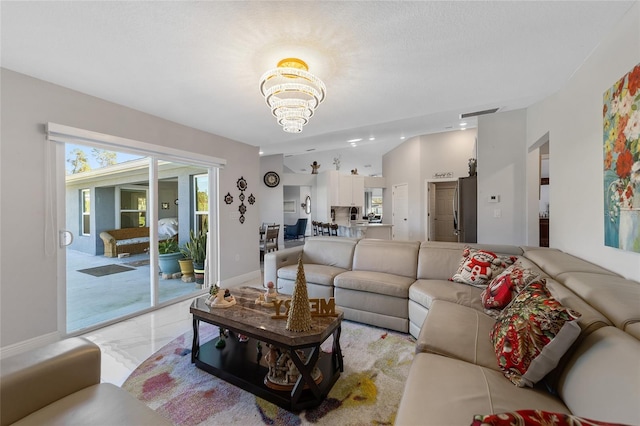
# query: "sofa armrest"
{"points": [[35, 379], [277, 259]]}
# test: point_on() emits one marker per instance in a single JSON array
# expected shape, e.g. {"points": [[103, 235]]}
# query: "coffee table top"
{"points": [[255, 320]]}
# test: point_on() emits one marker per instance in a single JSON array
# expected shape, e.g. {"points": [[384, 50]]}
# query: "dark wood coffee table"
{"points": [[243, 364]]}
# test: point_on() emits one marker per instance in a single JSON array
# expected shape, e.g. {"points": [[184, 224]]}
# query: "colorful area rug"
{"points": [[376, 366]]}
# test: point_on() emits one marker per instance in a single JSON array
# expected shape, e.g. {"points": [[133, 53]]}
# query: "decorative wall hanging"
{"points": [[271, 179], [242, 209], [228, 198], [251, 199], [241, 197], [242, 184], [621, 141], [241, 218]]}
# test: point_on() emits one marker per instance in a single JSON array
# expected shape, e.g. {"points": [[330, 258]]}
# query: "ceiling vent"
{"points": [[477, 113]]}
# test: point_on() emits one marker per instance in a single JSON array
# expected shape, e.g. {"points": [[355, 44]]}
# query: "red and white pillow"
{"points": [[477, 267], [535, 418], [531, 335], [504, 287]]}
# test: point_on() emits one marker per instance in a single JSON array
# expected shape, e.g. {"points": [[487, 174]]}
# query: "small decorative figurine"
{"points": [[473, 165], [271, 293], [220, 299], [314, 168], [336, 162], [354, 171]]}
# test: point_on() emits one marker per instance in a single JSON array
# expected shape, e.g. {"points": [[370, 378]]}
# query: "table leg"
{"points": [[195, 346], [305, 375], [337, 352]]}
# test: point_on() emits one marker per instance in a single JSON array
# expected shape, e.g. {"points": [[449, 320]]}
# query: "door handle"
{"points": [[65, 237]]}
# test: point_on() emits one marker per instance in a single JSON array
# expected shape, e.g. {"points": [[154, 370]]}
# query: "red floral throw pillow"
{"points": [[535, 418], [505, 287], [477, 267], [531, 335]]}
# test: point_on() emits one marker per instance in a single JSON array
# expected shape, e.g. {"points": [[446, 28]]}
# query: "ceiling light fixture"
{"points": [[292, 93], [354, 140]]}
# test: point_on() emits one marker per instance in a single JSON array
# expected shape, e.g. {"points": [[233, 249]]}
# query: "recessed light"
{"points": [[372, 139], [260, 153], [353, 144], [354, 140], [311, 149], [367, 165], [401, 138], [463, 123]]}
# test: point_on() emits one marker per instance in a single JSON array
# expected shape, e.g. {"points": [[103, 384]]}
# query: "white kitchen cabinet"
{"points": [[351, 191]]}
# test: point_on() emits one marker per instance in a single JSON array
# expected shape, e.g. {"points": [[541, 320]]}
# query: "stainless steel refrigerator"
{"points": [[465, 210]]}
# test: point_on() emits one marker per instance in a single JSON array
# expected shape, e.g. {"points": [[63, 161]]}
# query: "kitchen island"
{"points": [[380, 231]]}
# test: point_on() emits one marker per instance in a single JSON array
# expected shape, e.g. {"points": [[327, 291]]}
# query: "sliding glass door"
{"points": [[121, 210]]}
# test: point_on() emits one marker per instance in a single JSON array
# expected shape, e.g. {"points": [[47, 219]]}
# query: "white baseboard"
{"points": [[27, 345], [239, 280]]}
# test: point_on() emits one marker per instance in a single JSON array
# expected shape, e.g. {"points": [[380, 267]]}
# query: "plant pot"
{"points": [[169, 263], [186, 267], [198, 270]]}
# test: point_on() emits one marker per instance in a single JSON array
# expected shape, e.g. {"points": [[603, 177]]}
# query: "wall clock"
{"points": [[271, 179]]}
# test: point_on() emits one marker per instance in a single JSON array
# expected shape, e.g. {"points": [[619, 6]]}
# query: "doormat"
{"points": [[101, 271], [137, 263]]}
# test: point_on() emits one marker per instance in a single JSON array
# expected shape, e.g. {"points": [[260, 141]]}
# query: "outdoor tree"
{"points": [[103, 157], [79, 162]]}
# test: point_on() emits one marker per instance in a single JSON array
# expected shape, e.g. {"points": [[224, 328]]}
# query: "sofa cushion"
{"points": [[317, 274], [615, 297], [104, 404], [375, 282], [458, 332], [439, 260], [425, 292], [446, 391], [504, 287], [330, 251], [555, 262], [477, 267], [371, 302], [602, 378], [534, 418], [531, 335], [391, 257]]}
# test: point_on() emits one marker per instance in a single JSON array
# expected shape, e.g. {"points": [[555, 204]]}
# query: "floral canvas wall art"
{"points": [[621, 137]]}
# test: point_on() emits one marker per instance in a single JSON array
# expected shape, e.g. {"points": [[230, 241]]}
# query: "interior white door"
{"points": [[400, 212]]}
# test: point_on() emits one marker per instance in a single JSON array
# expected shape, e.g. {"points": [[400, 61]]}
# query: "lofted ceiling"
{"points": [[393, 69]]}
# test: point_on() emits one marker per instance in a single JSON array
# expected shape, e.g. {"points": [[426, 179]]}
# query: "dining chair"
{"points": [[270, 242]]}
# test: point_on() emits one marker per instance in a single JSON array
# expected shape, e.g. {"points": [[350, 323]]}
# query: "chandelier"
{"points": [[292, 93]]}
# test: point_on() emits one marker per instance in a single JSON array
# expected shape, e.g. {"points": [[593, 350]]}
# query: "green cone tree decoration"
{"points": [[299, 318]]}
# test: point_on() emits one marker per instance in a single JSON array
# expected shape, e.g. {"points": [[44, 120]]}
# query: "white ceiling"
{"points": [[392, 69]]}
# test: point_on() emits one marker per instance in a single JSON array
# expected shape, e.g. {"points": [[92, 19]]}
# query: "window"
{"points": [[201, 200], [85, 199], [133, 208]]}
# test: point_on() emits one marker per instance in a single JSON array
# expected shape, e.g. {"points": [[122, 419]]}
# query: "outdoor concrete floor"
{"points": [[94, 300]]}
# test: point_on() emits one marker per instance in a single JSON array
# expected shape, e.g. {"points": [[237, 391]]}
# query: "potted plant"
{"points": [[168, 255], [196, 250]]}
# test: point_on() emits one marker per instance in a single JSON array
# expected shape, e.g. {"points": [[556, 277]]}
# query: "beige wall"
{"points": [[573, 119], [415, 162], [28, 284]]}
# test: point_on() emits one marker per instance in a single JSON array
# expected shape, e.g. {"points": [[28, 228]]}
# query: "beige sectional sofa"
{"points": [[405, 286], [59, 384]]}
